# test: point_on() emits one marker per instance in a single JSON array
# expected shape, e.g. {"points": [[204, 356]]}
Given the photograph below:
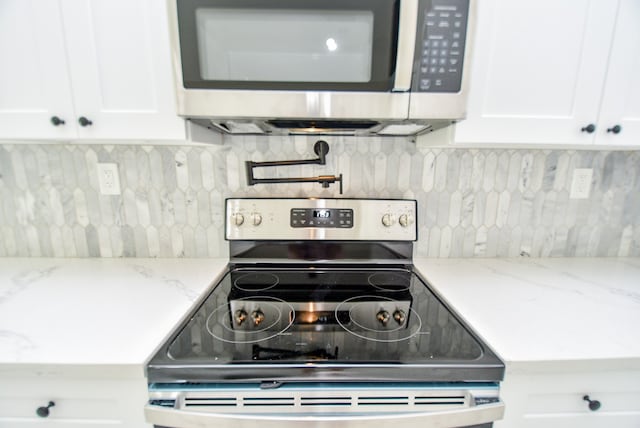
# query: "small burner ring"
{"points": [[380, 280], [249, 334], [257, 281]]}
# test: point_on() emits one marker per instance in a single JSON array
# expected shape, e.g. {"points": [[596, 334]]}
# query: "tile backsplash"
{"points": [[472, 202]]}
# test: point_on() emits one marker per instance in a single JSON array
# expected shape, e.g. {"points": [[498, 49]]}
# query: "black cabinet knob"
{"points": [[83, 121], [615, 129], [590, 128], [593, 404], [43, 411], [56, 121]]}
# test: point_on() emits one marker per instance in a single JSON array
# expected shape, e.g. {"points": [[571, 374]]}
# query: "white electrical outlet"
{"points": [[581, 183], [108, 178]]}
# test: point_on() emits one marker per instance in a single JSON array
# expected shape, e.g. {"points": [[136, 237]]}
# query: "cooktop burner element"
{"points": [[387, 326], [387, 281], [256, 281], [253, 320]]}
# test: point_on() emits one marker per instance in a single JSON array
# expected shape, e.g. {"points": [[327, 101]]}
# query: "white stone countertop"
{"points": [[559, 313], [95, 312], [116, 312]]}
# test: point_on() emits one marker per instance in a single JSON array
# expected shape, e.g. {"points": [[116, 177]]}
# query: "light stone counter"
{"points": [[105, 314], [547, 314]]}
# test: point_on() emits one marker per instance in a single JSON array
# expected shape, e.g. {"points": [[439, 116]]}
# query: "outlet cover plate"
{"points": [[108, 178], [581, 183]]}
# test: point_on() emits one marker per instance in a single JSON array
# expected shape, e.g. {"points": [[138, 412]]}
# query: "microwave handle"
{"points": [[407, 33]]}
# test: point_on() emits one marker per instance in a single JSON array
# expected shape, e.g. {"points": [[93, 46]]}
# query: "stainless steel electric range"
{"points": [[321, 318]]}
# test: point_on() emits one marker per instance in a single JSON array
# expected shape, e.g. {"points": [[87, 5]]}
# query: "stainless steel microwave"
{"points": [[395, 67]]}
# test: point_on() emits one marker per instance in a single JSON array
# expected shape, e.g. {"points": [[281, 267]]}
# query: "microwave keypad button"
{"points": [[434, 61], [443, 61], [425, 84], [453, 61], [444, 52], [455, 45], [444, 43], [435, 43]]}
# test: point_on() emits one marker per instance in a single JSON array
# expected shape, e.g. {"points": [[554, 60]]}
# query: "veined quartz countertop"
{"points": [[116, 312], [95, 312], [554, 313]]}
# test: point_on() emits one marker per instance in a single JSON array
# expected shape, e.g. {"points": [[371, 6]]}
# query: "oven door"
{"points": [[293, 59], [323, 406]]}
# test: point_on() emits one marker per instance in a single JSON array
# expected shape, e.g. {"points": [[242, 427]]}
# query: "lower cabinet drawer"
{"points": [[617, 409], [557, 400], [77, 403]]}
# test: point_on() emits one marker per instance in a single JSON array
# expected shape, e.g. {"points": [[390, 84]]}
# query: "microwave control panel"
{"points": [[440, 45]]}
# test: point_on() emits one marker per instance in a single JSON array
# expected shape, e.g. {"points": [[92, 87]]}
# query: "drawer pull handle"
{"points": [[593, 404], [43, 411]]}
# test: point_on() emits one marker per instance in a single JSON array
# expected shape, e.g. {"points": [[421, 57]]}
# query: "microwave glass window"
{"points": [[287, 46]]}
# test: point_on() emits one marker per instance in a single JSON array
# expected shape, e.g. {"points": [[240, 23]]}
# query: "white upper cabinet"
{"points": [[540, 68], [102, 67], [34, 83], [621, 99]]}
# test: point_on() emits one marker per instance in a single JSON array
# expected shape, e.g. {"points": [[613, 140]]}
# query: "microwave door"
{"points": [[286, 58]]}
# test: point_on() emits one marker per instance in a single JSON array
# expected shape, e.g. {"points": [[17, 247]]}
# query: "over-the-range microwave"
{"points": [[391, 67]]}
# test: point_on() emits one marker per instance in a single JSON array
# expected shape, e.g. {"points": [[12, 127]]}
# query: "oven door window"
{"points": [[288, 44]]}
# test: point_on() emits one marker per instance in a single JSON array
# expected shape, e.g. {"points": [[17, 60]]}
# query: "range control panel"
{"points": [[321, 217], [439, 52], [318, 219]]}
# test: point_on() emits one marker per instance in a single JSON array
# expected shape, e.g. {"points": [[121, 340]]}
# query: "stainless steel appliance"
{"points": [[390, 67], [322, 319]]}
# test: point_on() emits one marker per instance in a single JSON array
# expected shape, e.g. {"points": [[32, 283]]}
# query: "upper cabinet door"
{"points": [[538, 71], [118, 52], [620, 112], [34, 84]]}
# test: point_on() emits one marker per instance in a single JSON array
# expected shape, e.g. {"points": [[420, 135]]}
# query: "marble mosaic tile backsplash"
{"points": [[472, 202]]}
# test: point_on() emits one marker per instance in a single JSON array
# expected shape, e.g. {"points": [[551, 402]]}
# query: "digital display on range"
{"points": [[322, 217], [321, 213]]}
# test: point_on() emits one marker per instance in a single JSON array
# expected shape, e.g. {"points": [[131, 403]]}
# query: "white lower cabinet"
{"points": [[557, 400], [77, 402]]}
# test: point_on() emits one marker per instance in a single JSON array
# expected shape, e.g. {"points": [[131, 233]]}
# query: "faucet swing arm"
{"points": [[321, 148]]}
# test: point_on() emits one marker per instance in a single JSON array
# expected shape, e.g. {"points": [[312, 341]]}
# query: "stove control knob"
{"points": [[240, 316], [237, 219], [257, 316], [399, 316], [388, 220], [383, 317], [405, 220], [256, 219]]}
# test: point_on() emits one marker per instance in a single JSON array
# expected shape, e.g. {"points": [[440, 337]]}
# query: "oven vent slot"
{"points": [[383, 401], [325, 401], [269, 401], [443, 400], [210, 402]]}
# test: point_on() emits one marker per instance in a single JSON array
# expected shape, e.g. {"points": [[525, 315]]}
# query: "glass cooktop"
{"points": [[349, 324]]}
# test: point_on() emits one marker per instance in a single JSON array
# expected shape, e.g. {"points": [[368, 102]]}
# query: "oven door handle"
{"points": [[469, 416]]}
